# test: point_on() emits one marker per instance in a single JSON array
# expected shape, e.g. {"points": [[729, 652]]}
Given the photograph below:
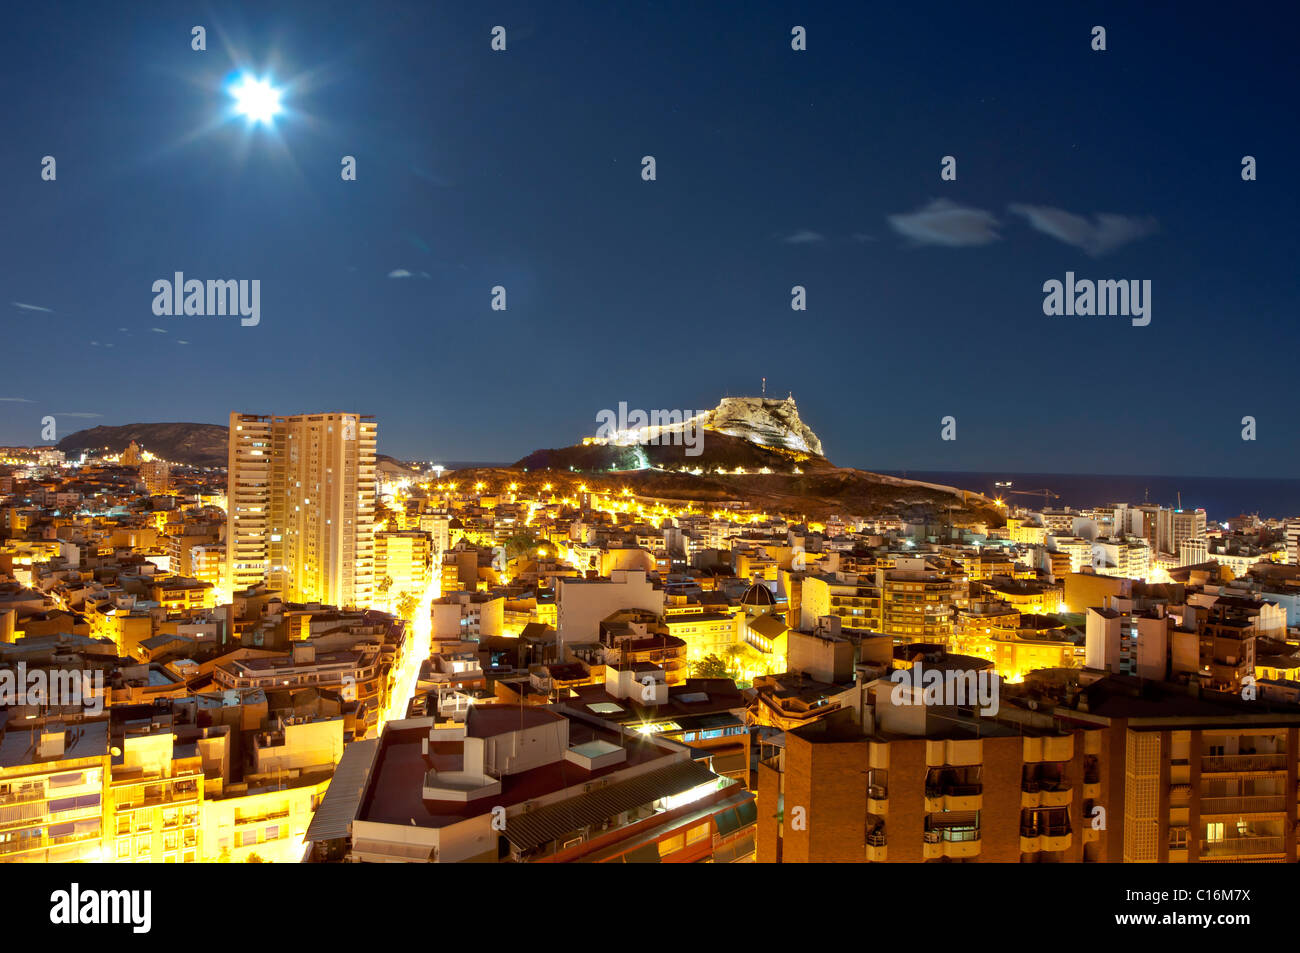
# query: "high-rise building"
{"points": [[301, 506], [248, 500], [156, 476], [1293, 541]]}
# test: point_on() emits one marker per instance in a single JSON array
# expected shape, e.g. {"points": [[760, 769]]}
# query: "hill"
{"points": [[199, 445]]}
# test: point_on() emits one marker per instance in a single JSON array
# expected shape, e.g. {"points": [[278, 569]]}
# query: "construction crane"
{"points": [[1045, 494]]}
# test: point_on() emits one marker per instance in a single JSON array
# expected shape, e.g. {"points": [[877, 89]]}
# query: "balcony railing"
{"points": [[1257, 804], [1241, 846], [953, 790], [876, 838], [952, 835], [1220, 764]]}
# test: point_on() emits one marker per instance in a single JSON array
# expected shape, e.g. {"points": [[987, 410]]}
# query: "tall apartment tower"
{"points": [[1293, 541], [301, 506], [248, 500]]}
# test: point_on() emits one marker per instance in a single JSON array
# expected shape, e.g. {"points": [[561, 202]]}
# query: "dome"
{"points": [[758, 595]]}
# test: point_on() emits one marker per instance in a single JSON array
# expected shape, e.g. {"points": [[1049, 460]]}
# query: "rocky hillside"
{"points": [[769, 423], [817, 493], [740, 439], [199, 445]]}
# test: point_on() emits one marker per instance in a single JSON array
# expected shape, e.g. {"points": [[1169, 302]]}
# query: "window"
{"points": [[699, 832], [671, 845]]}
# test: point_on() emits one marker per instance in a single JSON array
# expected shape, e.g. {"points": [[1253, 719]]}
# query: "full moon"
{"points": [[256, 99]]}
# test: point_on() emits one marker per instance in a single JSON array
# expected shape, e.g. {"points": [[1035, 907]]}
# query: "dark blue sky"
{"points": [[775, 168]]}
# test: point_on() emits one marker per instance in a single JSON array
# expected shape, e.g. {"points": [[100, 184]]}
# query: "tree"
{"points": [[254, 859], [523, 544], [406, 606], [709, 667]]}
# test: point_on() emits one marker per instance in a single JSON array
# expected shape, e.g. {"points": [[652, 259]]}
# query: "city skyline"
{"points": [[775, 167]]}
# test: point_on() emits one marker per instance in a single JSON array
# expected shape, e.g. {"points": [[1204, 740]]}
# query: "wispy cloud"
{"points": [[17, 400], [945, 223], [863, 237], [77, 414], [159, 330], [22, 305], [1105, 234], [403, 273], [804, 237]]}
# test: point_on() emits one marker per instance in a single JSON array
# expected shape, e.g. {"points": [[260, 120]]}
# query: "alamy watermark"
{"points": [[951, 688], [212, 298], [678, 428], [1125, 298], [54, 687]]}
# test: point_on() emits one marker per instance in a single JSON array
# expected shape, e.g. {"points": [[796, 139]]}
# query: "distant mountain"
{"points": [[199, 445], [196, 445]]}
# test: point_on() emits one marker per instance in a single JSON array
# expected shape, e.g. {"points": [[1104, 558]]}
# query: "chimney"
{"points": [[51, 743]]}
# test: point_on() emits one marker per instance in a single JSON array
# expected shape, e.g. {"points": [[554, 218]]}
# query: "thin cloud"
{"points": [[159, 330], [804, 237], [945, 223], [77, 414], [17, 400], [1107, 233], [31, 307], [863, 237]]}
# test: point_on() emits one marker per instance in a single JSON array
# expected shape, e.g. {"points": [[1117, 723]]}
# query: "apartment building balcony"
{"points": [[1243, 763], [876, 845], [1053, 837], [1254, 847], [1050, 792], [877, 798], [154, 796], [954, 797], [1237, 806], [23, 797], [1055, 792], [951, 842], [43, 841]]}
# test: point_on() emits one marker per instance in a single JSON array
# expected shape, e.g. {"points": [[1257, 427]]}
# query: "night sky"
{"points": [[775, 168]]}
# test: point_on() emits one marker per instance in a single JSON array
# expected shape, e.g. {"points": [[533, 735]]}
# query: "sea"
{"points": [[1221, 497]]}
